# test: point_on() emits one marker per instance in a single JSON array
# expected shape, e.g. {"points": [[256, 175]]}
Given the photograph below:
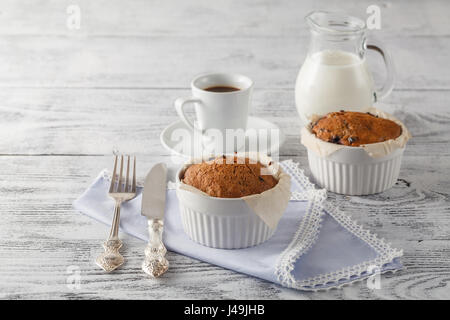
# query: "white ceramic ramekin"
{"points": [[226, 223], [362, 170], [352, 171]]}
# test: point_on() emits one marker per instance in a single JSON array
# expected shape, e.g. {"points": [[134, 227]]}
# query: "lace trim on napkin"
{"points": [[308, 232]]}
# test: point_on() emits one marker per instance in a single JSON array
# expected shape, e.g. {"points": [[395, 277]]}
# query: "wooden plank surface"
{"points": [[198, 18], [69, 98], [124, 62], [95, 122], [34, 257]]}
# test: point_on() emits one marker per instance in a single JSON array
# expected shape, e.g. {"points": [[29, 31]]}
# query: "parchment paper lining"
{"points": [[374, 150], [268, 205]]}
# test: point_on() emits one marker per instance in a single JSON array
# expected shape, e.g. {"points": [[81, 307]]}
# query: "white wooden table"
{"points": [[68, 98]]}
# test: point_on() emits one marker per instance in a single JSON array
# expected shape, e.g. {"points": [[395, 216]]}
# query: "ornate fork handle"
{"points": [[111, 259], [155, 262]]}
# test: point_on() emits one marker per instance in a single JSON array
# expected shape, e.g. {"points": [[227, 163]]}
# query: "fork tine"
{"points": [[120, 187], [133, 187], [127, 180], [113, 178]]}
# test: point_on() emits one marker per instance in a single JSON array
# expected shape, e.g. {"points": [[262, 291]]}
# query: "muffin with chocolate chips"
{"points": [[355, 128]]}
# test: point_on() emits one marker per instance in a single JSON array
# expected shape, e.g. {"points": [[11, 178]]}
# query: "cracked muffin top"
{"points": [[229, 177], [355, 128]]}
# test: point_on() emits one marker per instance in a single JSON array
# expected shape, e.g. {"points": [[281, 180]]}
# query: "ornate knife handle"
{"points": [[155, 263]]}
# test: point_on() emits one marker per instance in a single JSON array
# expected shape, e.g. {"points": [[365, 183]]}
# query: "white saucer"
{"points": [[254, 123]]}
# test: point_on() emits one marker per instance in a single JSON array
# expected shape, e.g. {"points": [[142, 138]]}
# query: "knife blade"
{"points": [[154, 193], [153, 205]]}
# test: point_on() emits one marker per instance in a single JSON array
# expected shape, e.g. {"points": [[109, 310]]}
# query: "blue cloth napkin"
{"points": [[314, 246]]}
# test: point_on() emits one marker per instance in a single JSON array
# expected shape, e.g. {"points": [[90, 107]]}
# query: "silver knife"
{"points": [[153, 204]]}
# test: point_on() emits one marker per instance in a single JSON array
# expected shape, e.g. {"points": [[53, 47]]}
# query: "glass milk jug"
{"points": [[334, 75]]}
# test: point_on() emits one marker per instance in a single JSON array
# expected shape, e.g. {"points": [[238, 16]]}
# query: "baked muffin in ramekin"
{"points": [[355, 153], [233, 201]]}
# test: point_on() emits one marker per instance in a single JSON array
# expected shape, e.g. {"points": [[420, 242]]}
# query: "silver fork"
{"points": [[120, 191]]}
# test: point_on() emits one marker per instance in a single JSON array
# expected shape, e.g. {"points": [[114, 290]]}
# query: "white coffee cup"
{"points": [[219, 111]]}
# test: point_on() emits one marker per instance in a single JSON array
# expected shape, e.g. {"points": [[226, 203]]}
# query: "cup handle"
{"points": [[386, 89], [180, 103]]}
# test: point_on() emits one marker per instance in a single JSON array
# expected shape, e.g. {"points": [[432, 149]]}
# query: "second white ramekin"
{"points": [[360, 170], [352, 171]]}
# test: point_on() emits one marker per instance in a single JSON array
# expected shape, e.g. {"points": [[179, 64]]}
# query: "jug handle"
{"points": [[386, 89]]}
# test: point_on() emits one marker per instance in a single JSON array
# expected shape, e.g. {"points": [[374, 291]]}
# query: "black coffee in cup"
{"points": [[221, 89]]}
